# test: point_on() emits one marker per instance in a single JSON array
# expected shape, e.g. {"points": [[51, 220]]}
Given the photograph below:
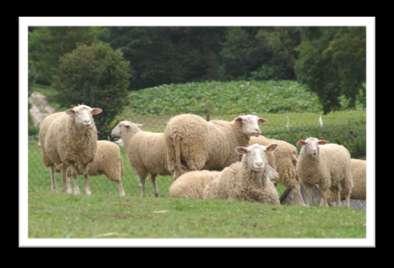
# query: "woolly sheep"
{"points": [[284, 159], [191, 184], [248, 179], [194, 143], [327, 166], [107, 161], [69, 139], [146, 152]]}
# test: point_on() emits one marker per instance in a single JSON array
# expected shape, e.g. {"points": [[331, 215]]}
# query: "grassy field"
{"points": [[104, 214], [292, 113]]}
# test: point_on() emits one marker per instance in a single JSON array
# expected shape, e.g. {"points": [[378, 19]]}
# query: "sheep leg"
{"points": [[142, 185], [119, 185], [75, 185], [86, 185], [324, 198], [154, 183], [66, 181], [53, 182]]}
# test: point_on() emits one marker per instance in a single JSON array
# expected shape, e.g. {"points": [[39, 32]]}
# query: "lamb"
{"points": [[146, 151], [194, 143], [69, 139], [248, 179], [191, 184], [328, 166], [108, 162], [284, 159]]}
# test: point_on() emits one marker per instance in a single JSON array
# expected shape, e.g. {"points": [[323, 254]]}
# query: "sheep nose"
{"points": [[259, 164], [86, 122]]}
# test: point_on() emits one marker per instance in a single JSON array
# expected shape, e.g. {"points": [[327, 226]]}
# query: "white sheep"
{"points": [[107, 161], [327, 166], [194, 143], [69, 139], [191, 184], [248, 179], [284, 160], [145, 150]]}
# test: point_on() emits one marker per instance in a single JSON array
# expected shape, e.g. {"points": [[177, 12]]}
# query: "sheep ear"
{"points": [[261, 120], [272, 147], [322, 142], [301, 142], [239, 120], [241, 150], [70, 112], [96, 111]]}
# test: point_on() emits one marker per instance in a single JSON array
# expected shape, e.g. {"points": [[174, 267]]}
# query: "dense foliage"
{"points": [[97, 76]]}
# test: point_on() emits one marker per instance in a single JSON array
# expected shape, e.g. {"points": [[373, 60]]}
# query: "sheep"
{"points": [[284, 159], [327, 166], [248, 179], [145, 150], [359, 181], [44, 125], [107, 161], [191, 184], [194, 143], [70, 138]]}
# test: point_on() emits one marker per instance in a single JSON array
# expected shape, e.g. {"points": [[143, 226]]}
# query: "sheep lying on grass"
{"points": [[328, 166], [249, 179], [69, 139], [194, 143], [284, 160], [191, 184], [145, 150]]}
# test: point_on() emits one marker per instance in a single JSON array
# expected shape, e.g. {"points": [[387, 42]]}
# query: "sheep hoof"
{"points": [[88, 192]]}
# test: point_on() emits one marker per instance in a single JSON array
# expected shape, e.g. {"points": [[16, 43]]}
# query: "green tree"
{"points": [[48, 44], [95, 75], [331, 62]]}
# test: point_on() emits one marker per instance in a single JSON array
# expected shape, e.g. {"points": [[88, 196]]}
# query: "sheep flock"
{"points": [[214, 159]]}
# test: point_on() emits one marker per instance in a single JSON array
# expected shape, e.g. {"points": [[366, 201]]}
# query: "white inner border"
{"points": [[25, 22]]}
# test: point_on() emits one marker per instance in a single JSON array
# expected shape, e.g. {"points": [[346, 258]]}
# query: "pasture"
{"points": [[105, 214]]}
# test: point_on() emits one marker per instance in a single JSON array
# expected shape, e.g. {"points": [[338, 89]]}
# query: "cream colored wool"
{"points": [[330, 170], [194, 143], [239, 181], [71, 146], [146, 151], [359, 181], [283, 159], [191, 184]]}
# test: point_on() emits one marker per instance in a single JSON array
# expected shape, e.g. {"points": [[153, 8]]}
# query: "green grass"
{"points": [[104, 214]]}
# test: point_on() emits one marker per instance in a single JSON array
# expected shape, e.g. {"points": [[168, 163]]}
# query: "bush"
{"points": [[97, 76], [348, 131]]}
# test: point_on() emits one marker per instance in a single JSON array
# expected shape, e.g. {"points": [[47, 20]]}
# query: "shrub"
{"points": [[94, 75]]}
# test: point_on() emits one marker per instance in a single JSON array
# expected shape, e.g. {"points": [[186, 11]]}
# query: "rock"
{"points": [[39, 108]]}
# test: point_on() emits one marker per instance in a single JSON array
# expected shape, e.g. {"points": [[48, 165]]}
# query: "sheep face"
{"points": [[250, 124], [310, 146], [123, 128], [255, 156], [83, 115]]}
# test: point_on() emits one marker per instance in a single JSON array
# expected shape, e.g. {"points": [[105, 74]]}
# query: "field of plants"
{"points": [[292, 113]]}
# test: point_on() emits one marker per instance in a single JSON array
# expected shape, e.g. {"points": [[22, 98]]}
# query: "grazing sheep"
{"points": [[327, 166], [146, 152], [249, 179], [194, 143], [284, 160], [108, 162], [70, 138], [191, 184]]}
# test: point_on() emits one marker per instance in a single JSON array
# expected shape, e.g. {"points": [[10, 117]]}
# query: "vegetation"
{"points": [[94, 75], [106, 215]]}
